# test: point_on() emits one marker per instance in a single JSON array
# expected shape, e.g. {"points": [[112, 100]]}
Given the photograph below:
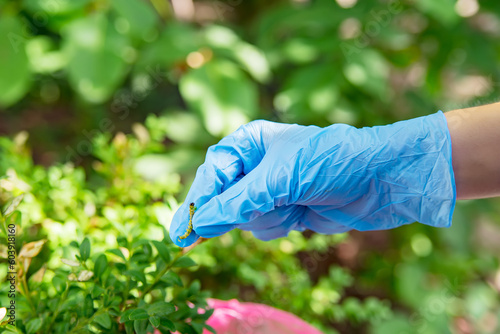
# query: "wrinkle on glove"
{"points": [[271, 178]]}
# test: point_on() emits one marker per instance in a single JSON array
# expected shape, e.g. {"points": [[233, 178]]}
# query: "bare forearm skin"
{"points": [[475, 138]]}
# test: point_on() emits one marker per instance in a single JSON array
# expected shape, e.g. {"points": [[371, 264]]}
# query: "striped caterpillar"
{"points": [[192, 209]]}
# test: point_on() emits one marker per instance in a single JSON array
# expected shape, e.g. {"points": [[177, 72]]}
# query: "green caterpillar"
{"points": [[192, 209]]}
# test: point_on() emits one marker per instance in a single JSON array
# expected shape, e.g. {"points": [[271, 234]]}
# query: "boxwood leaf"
{"points": [[138, 314], [184, 262], [162, 250], [85, 249]]}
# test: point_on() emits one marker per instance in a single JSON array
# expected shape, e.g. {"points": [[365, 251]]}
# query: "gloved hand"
{"points": [[271, 178]]}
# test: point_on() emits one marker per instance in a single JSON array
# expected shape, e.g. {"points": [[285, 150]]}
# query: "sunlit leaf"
{"points": [[139, 17], [369, 71], [443, 11], [85, 275], [13, 205], [31, 249], [184, 262], [97, 57], [104, 320], [71, 263], [223, 95], [15, 76], [252, 59], [38, 276], [100, 265], [55, 8], [314, 88], [85, 249], [117, 252]]}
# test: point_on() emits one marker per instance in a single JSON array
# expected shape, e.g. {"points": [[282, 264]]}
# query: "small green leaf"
{"points": [[121, 266], [115, 301], [104, 320], [138, 275], [33, 325], [155, 321], [184, 262], [162, 250], [11, 329], [211, 329], [138, 314], [197, 327], [97, 291], [139, 257], [125, 315], [172, 278], [115, 311], [59, 282], [161, 309], [168, 324], [85, 249], [117, 252], [88, 306], [100, 265], [129, 327], [141, 326], [122, 241], [195, 287], [204, 316]]}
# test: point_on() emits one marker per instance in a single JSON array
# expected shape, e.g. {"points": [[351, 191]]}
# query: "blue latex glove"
{"points": [[271, 178]]}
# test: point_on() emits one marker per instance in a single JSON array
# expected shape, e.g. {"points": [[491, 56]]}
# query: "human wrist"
{"points": [[475, 137]]}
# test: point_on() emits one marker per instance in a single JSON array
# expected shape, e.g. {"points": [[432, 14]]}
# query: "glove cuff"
{"points": [[449, 159], [423, 169], [440, 194]]}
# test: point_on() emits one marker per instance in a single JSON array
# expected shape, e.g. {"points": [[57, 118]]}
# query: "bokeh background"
{"points": [[108, 106]]}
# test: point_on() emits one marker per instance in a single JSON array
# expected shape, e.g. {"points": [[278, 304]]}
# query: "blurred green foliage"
{"points": [[76, 74]]}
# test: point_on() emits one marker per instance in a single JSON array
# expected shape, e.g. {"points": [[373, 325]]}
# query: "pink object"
{"points": [[233, 317]]}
